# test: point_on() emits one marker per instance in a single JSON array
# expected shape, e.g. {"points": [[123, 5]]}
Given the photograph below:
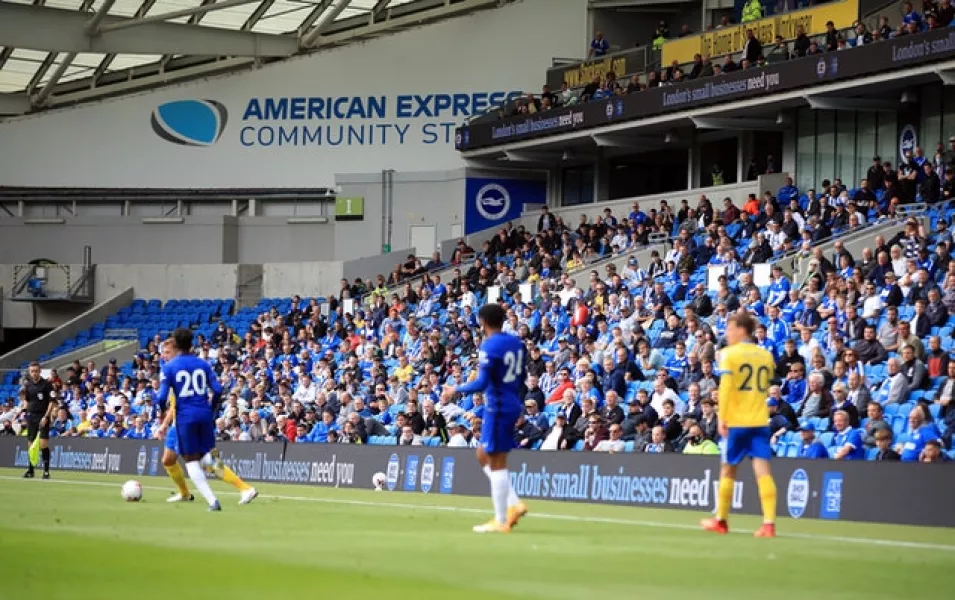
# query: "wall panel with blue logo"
{"points": [[494, 202], [355, 108]]}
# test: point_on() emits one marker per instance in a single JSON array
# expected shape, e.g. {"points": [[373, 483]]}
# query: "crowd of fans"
{"points": [[619, 361], [934, 15]]}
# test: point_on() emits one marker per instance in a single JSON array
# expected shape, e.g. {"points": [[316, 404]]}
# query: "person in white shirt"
{"points": [[449, 410], [556, 433], [660, 393], [872, 305], [777, 237], [459, 438], [467, 297], [808, 345], [306, 392], [614, 444], [620, 240]]}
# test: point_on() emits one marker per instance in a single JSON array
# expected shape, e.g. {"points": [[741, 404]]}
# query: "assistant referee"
{"points": [[41, 406]]}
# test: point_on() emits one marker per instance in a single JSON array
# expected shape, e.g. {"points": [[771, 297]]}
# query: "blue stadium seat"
{"points": [[871, 453]]}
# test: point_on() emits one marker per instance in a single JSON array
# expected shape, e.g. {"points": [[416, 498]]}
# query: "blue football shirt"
{"points": [[191, 379], [500, 373], [852, 437]]}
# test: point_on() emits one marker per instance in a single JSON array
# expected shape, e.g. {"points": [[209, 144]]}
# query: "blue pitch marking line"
{"points": [[536, 515]]}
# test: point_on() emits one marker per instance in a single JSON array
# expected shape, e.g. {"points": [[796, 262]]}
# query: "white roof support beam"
{"points": [[841, 103], [313, 16], [14, 104], [56, 30], [194, 11], [376, 10], [92, 28], [440, 11], [326, 19], [947, 76], [732, 124]]}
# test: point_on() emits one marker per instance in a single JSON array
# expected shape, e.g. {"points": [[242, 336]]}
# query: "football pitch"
{"points": [[74, 538]]}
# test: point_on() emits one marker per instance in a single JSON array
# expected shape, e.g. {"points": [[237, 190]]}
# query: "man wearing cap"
{"points": [[461, 431], [810, 447], [561, 436]]}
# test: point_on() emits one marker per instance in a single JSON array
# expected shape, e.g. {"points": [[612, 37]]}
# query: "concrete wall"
{"points": [[425, 198], [114, 240], [307, 279], [273, 239], [372, 266], [168, 281], [51, 340], [29, 315], [199, 240]]}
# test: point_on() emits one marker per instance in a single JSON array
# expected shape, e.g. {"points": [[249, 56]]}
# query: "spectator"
{"points": [[752, 11], [810, 446], [526, 433], [818, 402], [752, 49], [932, 453], [459, 439], [876, 422], [697, 443], [614, 444], [922, 431], [658, 443], [408, 437], [598, 46], [848, 441], [945, 399], [883, 441]]}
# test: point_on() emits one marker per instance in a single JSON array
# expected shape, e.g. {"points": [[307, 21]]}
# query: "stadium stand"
{"points": [[622, 312], [881, 25]]}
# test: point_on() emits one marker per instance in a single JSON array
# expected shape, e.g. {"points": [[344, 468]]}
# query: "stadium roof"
{"points": [[57, 52]]}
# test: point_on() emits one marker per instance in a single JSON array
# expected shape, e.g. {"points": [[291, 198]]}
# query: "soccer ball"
{"points": [[378, 480], [132, 491]]}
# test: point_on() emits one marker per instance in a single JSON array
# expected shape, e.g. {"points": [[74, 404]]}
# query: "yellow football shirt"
{"points": [[745, 374]]}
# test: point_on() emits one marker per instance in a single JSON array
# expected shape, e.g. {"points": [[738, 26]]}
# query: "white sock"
{"points": [[198, 477], [512, 499], [500, 483]]}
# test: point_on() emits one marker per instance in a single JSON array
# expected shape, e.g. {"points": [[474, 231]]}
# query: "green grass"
{"points": [[74, 538]]}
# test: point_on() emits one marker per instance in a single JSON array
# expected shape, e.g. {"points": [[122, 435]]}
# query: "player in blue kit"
{"points": [[500, 375], [191, 379], [170, 456]]}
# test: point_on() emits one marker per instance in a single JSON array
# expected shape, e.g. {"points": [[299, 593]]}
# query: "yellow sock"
{"points": [[724, 499], [178, 477], [767, 498], [229, 476]]}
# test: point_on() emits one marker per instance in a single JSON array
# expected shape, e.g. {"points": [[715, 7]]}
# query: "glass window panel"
{"points": [[845, 162], [931, 133], [948, 113], [865, 144], [825, 145], [888, 140], [806, 149], [229, 18]]}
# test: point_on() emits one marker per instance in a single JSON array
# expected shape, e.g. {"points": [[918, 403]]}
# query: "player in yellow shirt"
{"points": [[745, 374]]}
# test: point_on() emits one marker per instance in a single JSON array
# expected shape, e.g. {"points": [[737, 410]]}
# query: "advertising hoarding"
{"points": [[803, 73], [832, 490], [731, 39]]}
